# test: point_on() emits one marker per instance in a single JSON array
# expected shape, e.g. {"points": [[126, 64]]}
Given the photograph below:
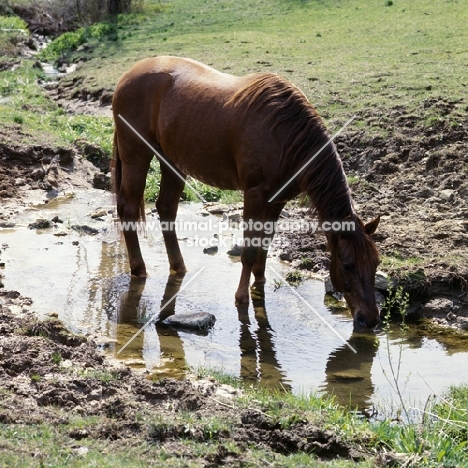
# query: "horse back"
{"points": [[186, 108]]}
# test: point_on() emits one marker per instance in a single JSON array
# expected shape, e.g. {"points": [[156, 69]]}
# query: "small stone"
{"points": [[211, 250], [194, 320], [217, 208], [61, 233], [99, 213], [40, 223], [462, 323], [95, 394], [382, 282], [451, 317], [81, 451], [447, 194], [286, 256], [235, 250], [6, 225], [83, 229]]}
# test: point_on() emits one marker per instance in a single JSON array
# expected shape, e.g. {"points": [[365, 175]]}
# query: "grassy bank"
{"points": [[348, 57]]}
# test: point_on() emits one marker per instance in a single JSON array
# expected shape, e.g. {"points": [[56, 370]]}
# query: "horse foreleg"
{"points": [[167, 203], [270, 217], [253, 203]]}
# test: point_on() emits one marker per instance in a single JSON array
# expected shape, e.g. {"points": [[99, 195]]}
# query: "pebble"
{"points": [[217, 208], [235, 250], [99, 213], [447, 194], [40, 223], [211, 250], [83, 229]]}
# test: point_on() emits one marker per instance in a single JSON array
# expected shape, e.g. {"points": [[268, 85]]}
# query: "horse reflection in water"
{"points": [[172, 356], [348, 371], [258, 357]]}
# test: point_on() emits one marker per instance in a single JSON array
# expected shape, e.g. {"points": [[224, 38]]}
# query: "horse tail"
{"points": [[116, 171], [116, 167]]}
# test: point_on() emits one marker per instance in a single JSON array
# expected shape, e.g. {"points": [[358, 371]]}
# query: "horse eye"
{"points": [[348, 267]]}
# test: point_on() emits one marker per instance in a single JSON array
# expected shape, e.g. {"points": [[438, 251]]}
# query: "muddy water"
{"points": [[279, 342]]}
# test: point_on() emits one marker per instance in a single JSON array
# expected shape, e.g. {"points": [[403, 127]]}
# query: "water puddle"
{"points": [[278, 343]]}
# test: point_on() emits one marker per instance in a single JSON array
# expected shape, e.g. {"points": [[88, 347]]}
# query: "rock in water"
{"points": [[193, 320]]}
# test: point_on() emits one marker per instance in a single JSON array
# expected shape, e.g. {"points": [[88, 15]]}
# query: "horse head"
{"points": [[354, 260]]}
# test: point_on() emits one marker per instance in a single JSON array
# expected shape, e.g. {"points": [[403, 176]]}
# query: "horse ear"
{"points": [[371, 226]]}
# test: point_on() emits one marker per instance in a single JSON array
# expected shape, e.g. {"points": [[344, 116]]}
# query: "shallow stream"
{"points": [[279, 343]]}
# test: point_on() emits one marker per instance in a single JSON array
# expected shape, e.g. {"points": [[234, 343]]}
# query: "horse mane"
{"points": [[302, 133]]}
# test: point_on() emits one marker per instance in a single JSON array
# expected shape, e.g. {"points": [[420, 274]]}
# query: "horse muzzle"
{"points": [[364, 323]]}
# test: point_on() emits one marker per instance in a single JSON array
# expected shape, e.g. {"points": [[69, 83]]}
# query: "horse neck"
{"points": [[325, 183]]}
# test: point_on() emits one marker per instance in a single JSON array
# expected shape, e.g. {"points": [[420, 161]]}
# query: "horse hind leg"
{"points": [[170, 190], [129, 206]]}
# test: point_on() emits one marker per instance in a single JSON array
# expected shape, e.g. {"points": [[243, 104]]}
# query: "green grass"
{"points": [[438, 438], [208, 193], [347, 57], [27, 109], [396, 261]]}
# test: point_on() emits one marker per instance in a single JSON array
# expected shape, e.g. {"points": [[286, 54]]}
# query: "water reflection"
{"points": [[258, 355], [133, 314], [258, 361], [347, 371]]}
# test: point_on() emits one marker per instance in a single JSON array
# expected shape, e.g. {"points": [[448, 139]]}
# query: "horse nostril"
{"points": [[359, 323]]}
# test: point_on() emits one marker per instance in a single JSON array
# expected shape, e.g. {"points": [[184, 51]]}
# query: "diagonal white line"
{"points": [[312, 158], [159, 155], [314, 311], [159, 311]]}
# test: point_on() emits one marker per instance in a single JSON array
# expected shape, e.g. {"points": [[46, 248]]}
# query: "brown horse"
{"points": [[250, 133]]}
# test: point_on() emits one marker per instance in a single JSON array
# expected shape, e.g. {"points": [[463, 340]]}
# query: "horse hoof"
{"points": [[139, 274], [177, 271], [242, 301]]}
